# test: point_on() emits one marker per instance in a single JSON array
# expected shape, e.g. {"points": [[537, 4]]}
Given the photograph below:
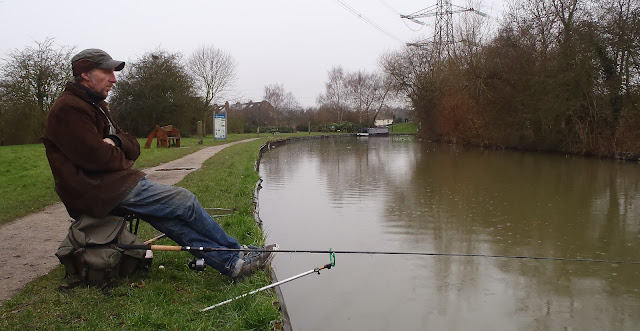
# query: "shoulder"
{"points": [[70, 107], [70, 99]]}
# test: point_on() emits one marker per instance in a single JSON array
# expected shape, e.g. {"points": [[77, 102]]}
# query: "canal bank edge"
{"points": [[286, 322], [286, 325]]}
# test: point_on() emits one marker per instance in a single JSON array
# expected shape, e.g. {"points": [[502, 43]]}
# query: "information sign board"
{"points": [[220, 126]]}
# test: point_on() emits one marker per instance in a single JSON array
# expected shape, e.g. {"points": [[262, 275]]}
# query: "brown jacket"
{"points": [[91, 176]]}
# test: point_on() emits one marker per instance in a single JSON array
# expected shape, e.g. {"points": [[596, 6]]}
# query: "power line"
{"points": [[389, 6], [400, 14], [367, 20]]}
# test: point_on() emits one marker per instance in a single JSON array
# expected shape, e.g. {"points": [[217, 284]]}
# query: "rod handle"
{"points": [[165, 248]]}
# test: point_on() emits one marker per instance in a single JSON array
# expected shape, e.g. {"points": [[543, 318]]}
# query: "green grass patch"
{"points": [[411, 127], [170, 298], [154, 156], [26, 183]]}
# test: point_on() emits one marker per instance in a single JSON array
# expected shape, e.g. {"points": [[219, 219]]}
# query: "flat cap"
{"points": [[92, 58]]}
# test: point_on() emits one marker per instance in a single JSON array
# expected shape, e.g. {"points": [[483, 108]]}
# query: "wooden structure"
{"points": [[165, 137]]}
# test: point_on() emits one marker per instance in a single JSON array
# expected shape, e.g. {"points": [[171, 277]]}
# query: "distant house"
{"points": [[242, 116], [384, 122]]}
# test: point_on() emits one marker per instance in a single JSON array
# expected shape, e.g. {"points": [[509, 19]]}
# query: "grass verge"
{"points": [[168, 298], [26, 183], [411, 127]]}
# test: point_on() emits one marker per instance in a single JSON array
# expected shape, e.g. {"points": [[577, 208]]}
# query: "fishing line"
{"points": [[494, 256], [333, 253]]}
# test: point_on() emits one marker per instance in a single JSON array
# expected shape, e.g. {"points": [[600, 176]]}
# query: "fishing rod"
{"points": [[214, 249], [315, 270], [230, 211], [332, 259], [159, 236]]}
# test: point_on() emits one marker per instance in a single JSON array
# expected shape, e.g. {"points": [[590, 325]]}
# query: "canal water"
{"points": [[400, 194]]}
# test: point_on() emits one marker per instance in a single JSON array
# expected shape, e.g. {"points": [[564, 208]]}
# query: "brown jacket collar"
{"points": [[85, 94]]}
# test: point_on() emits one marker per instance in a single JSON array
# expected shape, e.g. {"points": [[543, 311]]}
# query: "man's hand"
{"points": [[109, 141]]}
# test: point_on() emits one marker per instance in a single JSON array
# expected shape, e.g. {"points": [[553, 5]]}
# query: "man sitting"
{"points": [[92, 159]]}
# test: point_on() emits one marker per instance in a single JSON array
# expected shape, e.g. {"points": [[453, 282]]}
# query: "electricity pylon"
{"points": [[443, 38]]}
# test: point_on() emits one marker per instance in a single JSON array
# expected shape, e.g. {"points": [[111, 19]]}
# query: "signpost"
{"points": [[220, 126]]}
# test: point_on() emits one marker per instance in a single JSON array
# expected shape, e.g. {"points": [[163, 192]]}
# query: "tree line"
{"points": [[558, 75], [162, 88], [158, 88], [31, 80]]}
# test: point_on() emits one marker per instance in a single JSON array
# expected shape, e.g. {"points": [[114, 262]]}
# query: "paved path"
{"points": [[29, 243]]}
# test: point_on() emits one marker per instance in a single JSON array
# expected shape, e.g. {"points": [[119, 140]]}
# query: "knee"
{"points": [[188, 201], [185, 197]]}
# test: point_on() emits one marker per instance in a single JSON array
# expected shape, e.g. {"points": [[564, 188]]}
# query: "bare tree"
{"points": [[31, 80], [275, 95], [472, 32], [566, 11], [367, 94], [621, 20], [284, 102], [406, 67], [537, 17], [214, 72], [334, 97], [360, 95], [40, 71]]}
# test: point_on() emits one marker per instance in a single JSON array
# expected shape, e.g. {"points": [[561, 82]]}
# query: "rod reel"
{"points": [[197, 264]]}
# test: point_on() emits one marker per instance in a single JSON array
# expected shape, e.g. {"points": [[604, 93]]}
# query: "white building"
{"points": [[385, 122]]}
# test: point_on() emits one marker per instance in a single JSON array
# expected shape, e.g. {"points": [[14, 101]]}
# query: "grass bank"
{"points": [[169, 298], [26, 183], [166, 299], [410, 127]]}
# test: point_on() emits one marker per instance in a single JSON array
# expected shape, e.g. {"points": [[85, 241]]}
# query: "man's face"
{"points": [[100, 80]]}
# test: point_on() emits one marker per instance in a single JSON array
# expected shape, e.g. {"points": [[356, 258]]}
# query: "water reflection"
{"points": [[397, 194]]}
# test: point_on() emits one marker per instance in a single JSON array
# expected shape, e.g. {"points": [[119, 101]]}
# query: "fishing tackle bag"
{"points": [[90, 255]]}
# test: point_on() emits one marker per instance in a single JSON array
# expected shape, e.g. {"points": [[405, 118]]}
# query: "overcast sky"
{"points": [[289, 42]]}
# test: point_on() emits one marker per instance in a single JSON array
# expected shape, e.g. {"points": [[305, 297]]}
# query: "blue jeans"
{"points": [[177, 213]]}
